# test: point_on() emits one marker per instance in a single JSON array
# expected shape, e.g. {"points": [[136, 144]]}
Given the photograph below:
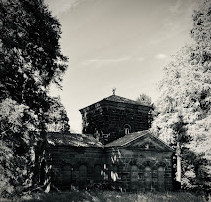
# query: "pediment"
{"points": [[149, 143], [143, 140]]}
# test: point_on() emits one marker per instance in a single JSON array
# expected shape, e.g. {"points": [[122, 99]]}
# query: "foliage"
{"points": [[57, 117], [30, 59], [185, 92], [16, 121], [144, 99], [30, 52]]}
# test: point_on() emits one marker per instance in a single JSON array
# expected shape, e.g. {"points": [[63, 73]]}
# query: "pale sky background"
{"points": [[117, 43]]}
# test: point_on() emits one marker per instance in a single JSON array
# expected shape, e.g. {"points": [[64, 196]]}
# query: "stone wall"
{"points": [[124, 169], [108, 119], [133, 170], [78, 166]]}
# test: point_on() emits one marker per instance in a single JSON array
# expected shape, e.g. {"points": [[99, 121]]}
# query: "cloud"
{"points": [[161, 56], [58, 7], [105, 61]]}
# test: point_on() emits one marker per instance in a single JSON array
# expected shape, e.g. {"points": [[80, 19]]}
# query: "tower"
{"points": [[114, 117]]}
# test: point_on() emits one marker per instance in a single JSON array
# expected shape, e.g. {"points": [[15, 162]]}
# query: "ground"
{"points": [[114, 196]]}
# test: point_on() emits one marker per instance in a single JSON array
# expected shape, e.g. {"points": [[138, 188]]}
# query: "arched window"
{"points": [[148, 178], [82, 174], [134, 177], [127, 129], [161, 178], [98, 173], [67, 174], [134, 173]]}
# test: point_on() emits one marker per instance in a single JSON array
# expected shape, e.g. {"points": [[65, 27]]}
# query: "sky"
{"points": [[122, 44]]}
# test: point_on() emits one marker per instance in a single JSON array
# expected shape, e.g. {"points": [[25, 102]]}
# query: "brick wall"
{"points": [[111, 118], [78, 166], [122, 168], [139, 170]]}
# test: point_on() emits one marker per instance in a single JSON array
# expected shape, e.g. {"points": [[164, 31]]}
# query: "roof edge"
{"points": [[148, 133], [106, 99], [135, 138]]}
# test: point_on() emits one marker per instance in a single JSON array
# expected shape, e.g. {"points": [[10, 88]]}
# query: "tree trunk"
{"points": [[179, 165]]}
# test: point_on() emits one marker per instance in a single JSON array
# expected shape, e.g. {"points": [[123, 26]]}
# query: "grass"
{"points": [[114, 196]]}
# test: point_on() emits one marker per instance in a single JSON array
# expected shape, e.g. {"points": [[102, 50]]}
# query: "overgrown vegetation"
{"points": [[112, 196]]}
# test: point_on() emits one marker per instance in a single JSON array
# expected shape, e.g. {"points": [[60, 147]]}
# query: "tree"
{"points": [[30, 53], [57, 117], [201, 62], [185, 91], [16, 157], [30, 60], [144, 99]]}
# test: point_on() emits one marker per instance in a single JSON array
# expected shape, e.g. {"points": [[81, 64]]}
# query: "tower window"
{"points": [[127, 129]]}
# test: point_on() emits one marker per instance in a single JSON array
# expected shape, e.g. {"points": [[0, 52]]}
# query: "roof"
{"points": [[127, 140], [72, 139], [116, 98]]}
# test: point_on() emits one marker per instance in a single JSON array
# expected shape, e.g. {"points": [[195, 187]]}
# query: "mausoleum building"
{"points": [[117, 150]]}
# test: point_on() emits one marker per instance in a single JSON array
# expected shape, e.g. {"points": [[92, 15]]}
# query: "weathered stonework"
{"points": [[116, 155], [137, 161], [115, 116], [76, 166], [142, 163], [130, 170]]}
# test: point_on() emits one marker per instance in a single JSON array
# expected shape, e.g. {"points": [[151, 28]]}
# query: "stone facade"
{"points": [[76, 166], [139, 162], [115, 116], [144, 164], [115, 155]]}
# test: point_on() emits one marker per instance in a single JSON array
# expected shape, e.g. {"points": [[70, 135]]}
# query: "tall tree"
{"points": [[201, 62], [57, 117], [185, 91], [144, 99], [30, 59]]}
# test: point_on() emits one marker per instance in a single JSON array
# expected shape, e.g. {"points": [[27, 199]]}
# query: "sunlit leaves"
{"points": [[185, 91]]}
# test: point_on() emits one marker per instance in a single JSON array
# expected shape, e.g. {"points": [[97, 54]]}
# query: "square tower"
{"points": [[114, 117]]}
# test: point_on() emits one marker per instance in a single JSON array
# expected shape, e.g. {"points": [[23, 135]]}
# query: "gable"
{"points": [[148, 143], [142, 140]]}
